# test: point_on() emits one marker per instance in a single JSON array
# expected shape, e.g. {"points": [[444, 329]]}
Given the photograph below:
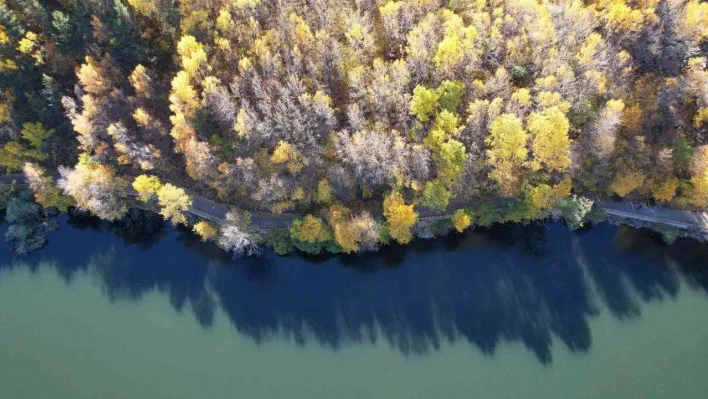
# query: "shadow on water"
{"points": [[532, 284]]}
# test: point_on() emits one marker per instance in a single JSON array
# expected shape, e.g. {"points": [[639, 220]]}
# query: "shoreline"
{"points": [[670, 223]]}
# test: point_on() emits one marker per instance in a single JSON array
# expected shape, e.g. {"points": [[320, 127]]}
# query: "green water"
{"points": [[68, 338]]}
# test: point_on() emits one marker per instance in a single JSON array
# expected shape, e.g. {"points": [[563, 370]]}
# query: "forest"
{"points": [[353, 117]]}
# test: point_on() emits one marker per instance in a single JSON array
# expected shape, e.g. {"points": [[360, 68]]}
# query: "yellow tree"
{"points": [[551, 144], [626, 182], [400, 218], [699, 177], [146, 186], [461, 220], [173, 202], [506, 152], [346, 233], [424, 103], [206, 230], [46, 193], [309, 229]]}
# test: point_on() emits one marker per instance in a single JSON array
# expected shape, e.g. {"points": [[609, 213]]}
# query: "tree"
{"points": [[450, 93], [603, 131], [14, 154], [699, 176], [27, 223], [424, 103], [235, 235], [36, 134], [173, 202], [626, 182], [147, 187], [46, 193], [506, 152], [346, 233], [95, 188], [372, 156], [206, 230], [400, 218], [666, 190], [573, 210], [451, 161], [542, 198], [551, 145], [435, 196], [284, 153], [461, 220], [310, 234]]}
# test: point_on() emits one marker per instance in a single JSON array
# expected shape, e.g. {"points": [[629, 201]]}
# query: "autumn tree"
{"points": [[205, 230], [310, 234], [174, 202], [400, 218], [46, 192], [146, 186], [506, 152], [550, 142], [95, 188]]}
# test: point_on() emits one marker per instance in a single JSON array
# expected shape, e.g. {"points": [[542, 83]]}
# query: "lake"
{"points": [[138, 309]]}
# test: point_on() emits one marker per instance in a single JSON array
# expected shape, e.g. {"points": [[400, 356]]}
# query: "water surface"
{"points": [[140, 310]]}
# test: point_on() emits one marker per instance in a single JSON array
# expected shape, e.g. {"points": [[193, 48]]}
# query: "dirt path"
{"points": [[214, 211]]}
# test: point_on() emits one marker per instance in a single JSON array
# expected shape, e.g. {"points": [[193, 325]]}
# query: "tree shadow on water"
{"points": [[535, 284]]}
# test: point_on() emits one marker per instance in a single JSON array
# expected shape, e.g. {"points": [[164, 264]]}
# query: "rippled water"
{"points": [[140, 310]]}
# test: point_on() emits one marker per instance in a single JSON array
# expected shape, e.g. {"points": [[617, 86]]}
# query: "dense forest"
{"points": [[354, 115]]}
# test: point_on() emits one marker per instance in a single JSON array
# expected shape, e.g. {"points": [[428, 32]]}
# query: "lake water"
{"points": [[140, 310]]}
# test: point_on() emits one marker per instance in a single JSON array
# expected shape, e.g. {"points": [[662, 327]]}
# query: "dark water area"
{"points": [[539, 288]]}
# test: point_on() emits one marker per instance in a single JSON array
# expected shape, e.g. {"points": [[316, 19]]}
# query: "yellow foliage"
{"points": [[564, 187], [449, 54], [589, 49], [146, 186], [615, 105], [298, 194], [522, 97], [699, 190], [4, 37], [461, 220], [548, 99], [391, 8], [551, 144], [507, 139], [303, 33], [701, 117], [90, 77], [323, 195], [622, 17], [144, 7], [542, 198], [399, 217], [192, 53], [173, 202], [206, 230], [7, 65], [141, 117], [507, 151], [626, 182], [30, 45], [309, 229], [140, 81], [695, 18], [666, 190], [346, 233], [183, 95], [285, 153]]}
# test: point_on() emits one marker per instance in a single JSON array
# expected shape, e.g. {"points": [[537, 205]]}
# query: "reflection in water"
{"points": [[527, 284]]}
